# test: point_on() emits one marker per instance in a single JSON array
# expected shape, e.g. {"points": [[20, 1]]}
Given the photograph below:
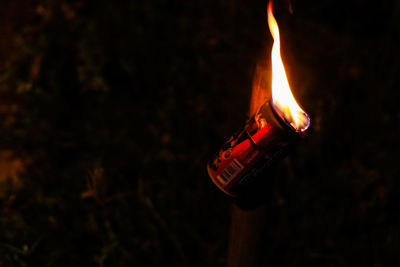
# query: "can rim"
{"points": [[281, 118]]}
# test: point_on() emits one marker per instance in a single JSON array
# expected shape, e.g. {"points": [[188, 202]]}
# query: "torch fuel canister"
{"points": [[249, 153]]}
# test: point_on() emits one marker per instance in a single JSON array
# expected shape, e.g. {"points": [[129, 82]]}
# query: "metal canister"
{"points": [[247, 156]]}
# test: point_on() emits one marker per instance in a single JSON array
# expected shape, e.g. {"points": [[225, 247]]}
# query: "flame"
{"points": [[282, 97]]}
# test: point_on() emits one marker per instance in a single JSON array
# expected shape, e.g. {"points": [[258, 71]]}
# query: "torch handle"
{"points": [[247, 231], [247, 237]]}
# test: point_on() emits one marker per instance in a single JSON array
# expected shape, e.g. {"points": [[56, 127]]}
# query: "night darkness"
{"points": [[109, 113]]}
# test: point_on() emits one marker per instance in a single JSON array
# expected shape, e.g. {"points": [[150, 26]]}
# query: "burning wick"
{"points": [[278, 125], [282, 97]]}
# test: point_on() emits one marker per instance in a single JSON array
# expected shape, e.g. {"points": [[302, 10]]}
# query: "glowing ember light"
{"points": [[282, 97]]}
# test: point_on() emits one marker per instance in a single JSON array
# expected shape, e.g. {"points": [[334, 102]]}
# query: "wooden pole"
{"points": [[246, 237], [247, 232]]}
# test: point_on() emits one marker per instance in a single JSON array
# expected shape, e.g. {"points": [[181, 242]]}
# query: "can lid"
{"points": [[274, 117], [304, 117]]}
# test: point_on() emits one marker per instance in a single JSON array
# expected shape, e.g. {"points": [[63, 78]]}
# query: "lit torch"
{"points": [[267, 136]]}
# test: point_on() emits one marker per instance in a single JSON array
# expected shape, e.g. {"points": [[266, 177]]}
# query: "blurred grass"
{"points": [[114, 108]]}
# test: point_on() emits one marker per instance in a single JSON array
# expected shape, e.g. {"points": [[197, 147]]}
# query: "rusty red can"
{"points": [[244, 159]]}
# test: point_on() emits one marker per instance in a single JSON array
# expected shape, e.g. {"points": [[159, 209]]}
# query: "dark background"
{"points": [[109, 112]]}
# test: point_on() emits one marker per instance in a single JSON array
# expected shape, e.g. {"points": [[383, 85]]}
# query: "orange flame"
{"points": [[282, 97]]}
